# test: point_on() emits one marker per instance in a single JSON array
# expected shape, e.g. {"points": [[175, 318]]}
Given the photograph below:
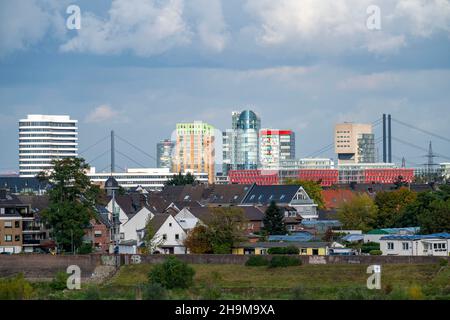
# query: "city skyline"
{"points": [[223, 56]]}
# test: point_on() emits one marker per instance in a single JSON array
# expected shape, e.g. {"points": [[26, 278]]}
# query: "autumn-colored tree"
{"points": [[198, 240], [360, 213]]}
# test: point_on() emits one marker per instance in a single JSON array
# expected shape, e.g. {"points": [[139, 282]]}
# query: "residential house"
{"points": [[98, 233], [11, 210], [376, 234], [168, 236], [436, 244], [284, 195]]}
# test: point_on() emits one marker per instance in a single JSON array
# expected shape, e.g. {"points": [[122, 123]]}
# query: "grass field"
{"points": [[301, 282]]}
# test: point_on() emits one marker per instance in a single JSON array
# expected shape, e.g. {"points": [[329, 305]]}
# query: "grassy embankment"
{"points": [[428, 281]]}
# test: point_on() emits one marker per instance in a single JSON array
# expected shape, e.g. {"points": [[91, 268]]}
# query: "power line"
{"points": [[419, 147], [421, 130]]}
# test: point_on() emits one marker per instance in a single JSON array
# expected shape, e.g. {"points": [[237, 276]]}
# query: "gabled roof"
{"points": [[158, 220], [334, 198], [130, 203], [251, 213], [281, 194], [10, 200], [228, 193]]}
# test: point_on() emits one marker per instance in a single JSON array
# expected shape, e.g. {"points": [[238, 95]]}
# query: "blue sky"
{"points": [[140, 66]]}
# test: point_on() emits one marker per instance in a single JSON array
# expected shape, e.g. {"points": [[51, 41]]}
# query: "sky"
{"points": [[140, 66]]}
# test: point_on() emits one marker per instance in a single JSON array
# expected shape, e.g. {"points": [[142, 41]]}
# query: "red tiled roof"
{"points": [[334, 198]]}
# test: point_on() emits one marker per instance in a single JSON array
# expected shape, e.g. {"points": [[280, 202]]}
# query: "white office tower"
{"points": [[43, 138]]}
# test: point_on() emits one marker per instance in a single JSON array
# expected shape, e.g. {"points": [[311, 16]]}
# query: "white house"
{"points": [[416, 245], [186, 219], [128, 230], [169, 235]]}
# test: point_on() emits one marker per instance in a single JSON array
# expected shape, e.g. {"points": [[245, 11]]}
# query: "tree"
{"points": [[392, 205], [436, 218], [150, 241], [226, 227], [71, 201], [312, 188], [181, 180], [198, 240], [360, 213], [273, 220], [172, 273]]}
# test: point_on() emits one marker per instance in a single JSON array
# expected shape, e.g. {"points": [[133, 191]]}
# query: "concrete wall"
{"points": [[40, 266], [43, 266]]}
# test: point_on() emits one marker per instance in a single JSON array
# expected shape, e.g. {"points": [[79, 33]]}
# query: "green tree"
{"points": [[172, 273], [150, 241], [392, 205], [226, 227], [312, 188], [71, 201], [436, 218], [273, 220], [181, 180], [360, 213]]}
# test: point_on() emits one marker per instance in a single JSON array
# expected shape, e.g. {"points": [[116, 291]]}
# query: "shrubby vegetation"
{"points": [[257, 261], [284, 261], [15, 288], [172, 273], [283, 250]]}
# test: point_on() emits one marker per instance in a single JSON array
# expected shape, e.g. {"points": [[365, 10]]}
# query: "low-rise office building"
{"points": [[416, 245]]}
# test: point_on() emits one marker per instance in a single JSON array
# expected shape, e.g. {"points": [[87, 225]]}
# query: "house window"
{"points": [[303, 251], [17, 237], [2, 210], [177, 237], [405, 245], [98, 233], [8, 238], [17, 224], [164, 236], [390, 246], [170, 224], [8, 224], [122, 235]]}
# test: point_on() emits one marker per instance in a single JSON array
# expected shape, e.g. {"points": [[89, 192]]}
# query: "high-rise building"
{"points": [[240, 143], [164, 150], [194, 149], [354, 143], [275, 146], [44, 138]]}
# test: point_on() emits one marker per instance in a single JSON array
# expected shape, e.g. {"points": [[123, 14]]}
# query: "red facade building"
{"points": [[327, 177], [388, 175], [260, 177]]}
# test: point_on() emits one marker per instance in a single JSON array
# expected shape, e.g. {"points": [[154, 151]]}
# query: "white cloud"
{"points": [[210, 23], [25, 23], [374, 81], [101, 114], [332, 27], [142, 27]]}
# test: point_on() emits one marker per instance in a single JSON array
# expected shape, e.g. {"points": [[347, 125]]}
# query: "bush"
{"points": [[370, 246], [172, 273], [443, 262], [85, 248], [16, 288], [375, 252], [256, 261], [284, 261], [60, 281], [154, 291], [283, 250]]}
